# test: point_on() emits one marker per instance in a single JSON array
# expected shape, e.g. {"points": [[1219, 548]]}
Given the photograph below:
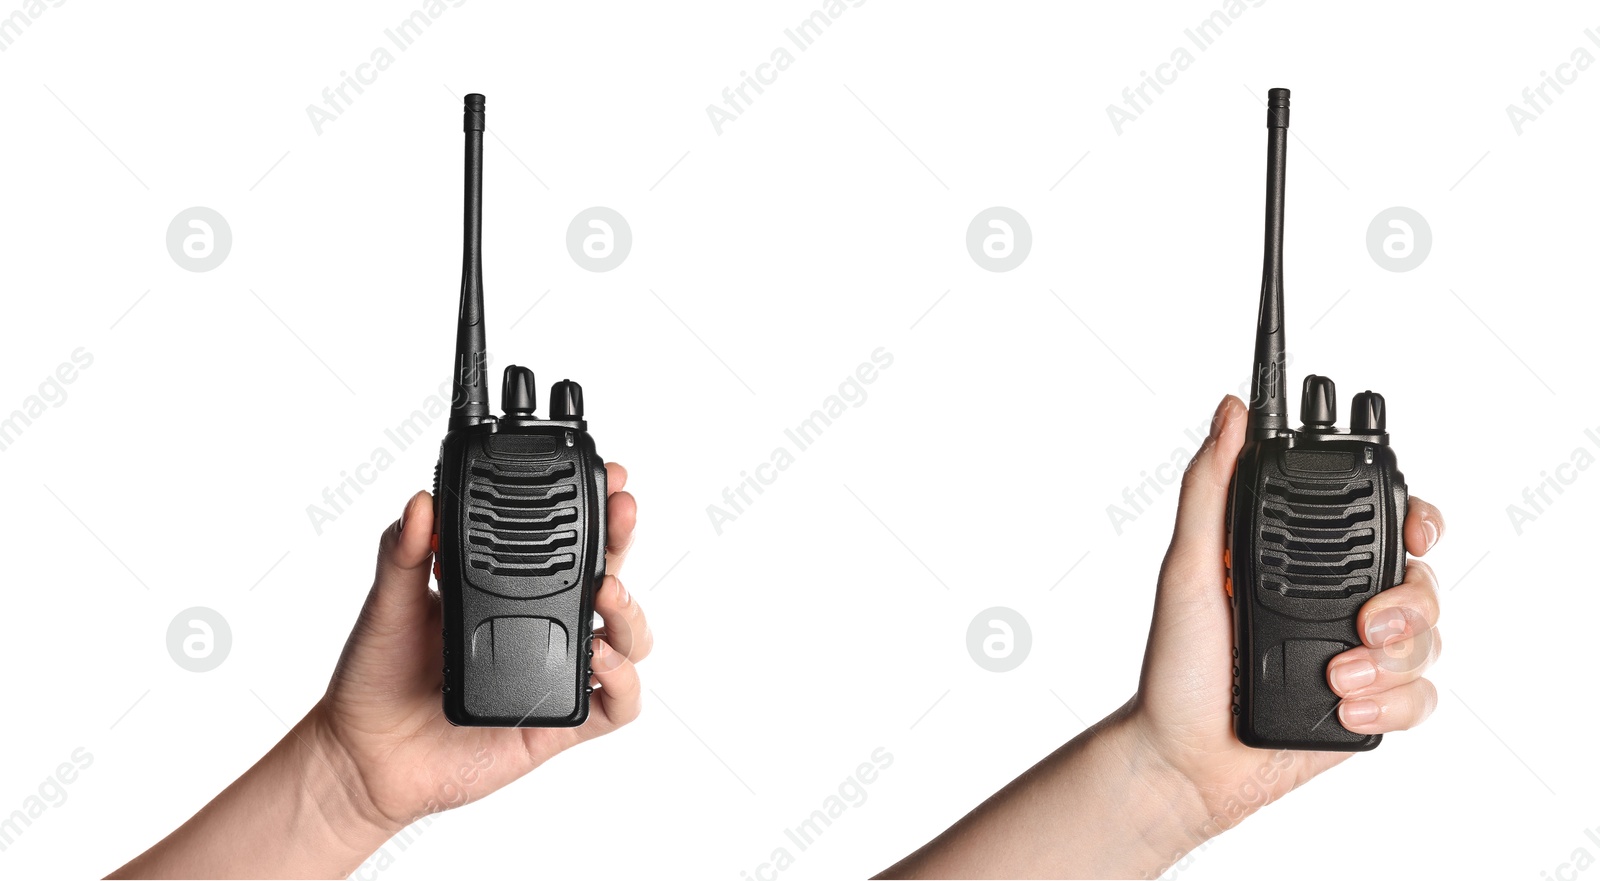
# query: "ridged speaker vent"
{"points": [[522, 520], [1317, 538]]}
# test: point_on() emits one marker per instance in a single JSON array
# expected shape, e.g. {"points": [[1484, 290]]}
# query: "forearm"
{"points": [[1102, 806], [296, 813]]}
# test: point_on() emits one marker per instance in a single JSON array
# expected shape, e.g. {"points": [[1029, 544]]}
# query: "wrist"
{"points": [[298, 812], [1176, 815], [334, 782], [1213, 788]]}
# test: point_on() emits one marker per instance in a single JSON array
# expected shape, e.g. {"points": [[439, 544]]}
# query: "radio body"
{"points": [[520, 515], [521, 550], [1315, 530], [1315, 524]]}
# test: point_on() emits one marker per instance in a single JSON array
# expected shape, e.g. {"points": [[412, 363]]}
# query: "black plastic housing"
{"points": [[1314, 531], [521, 511], [1315, 519], [520, 520]]}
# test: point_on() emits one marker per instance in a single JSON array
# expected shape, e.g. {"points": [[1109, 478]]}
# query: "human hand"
{"points": [[382, 714], [1133, 793], [1182, 709]]}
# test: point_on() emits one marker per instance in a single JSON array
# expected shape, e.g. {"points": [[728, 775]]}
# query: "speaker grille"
{"points": [[1317, 538], [522, 520]]}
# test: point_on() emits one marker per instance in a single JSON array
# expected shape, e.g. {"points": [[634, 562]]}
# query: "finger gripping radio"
{"points": [[520, 508], [1314, 524]]}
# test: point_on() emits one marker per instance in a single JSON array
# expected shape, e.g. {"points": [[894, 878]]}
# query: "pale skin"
{"points": [[1163, 773], [1127, 798], [376, 752]]}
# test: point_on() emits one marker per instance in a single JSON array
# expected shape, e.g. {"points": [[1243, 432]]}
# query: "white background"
{"points": [[820, 226]]}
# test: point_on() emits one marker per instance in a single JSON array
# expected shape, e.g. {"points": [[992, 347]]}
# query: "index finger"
{"points": [[622, 512], [1423, 528]]}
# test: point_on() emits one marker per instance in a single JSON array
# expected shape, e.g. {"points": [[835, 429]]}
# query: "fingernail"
{"points": [[1352, 675], [622, 593], [1385, 626], [1430, 532], [1358, 713], [1219, 417], [403, 512]]}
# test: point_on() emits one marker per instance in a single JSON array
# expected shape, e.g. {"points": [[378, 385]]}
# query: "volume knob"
{"points": [[516, 391], [566, 400], [1367, 413], [1317, 404]]}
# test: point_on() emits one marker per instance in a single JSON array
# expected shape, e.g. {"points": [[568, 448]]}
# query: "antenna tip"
{"points": [[472, 113], [1277, 108]]}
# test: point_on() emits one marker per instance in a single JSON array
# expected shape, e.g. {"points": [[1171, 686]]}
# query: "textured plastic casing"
{"points": [[1314, 531], [521, 513]]}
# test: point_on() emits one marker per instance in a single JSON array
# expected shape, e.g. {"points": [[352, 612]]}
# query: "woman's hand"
{"points": [[1182, 710], [1163, 773], [382, 711], [376, 753]]}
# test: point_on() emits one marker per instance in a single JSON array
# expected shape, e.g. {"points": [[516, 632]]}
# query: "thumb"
{"points": [[400, 588], [1201, 531]]}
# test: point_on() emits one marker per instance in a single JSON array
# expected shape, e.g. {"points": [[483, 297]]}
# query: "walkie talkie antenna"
{"points": [[469, 401], [1269, 405], [517, 586]]}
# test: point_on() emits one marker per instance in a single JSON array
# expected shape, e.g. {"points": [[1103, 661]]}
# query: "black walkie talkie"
{"points": [[1314, 524], [520, 508]]}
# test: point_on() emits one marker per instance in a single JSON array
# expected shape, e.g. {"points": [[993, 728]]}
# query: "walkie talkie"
{"points": [[520, 508], [1314, 524]]}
